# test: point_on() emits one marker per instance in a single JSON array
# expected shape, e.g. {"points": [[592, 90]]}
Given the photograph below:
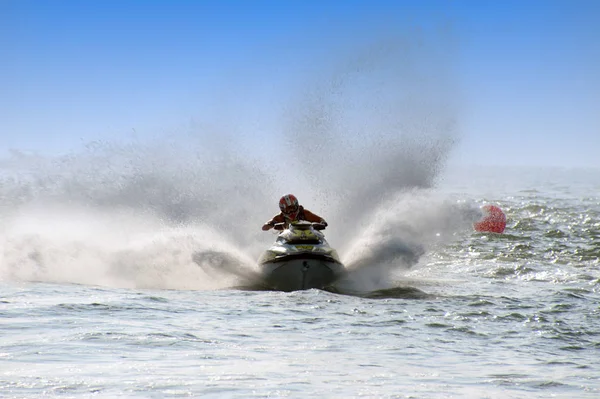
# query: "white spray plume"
{"points": [[360, 145]]}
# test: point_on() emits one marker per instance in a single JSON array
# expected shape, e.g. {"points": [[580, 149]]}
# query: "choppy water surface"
{"points": [[485, 316]]}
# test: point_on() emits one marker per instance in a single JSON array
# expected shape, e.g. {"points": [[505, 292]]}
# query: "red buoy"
{"points": [[493, 221]]}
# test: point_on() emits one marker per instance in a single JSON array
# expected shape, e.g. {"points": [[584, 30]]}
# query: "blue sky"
{"points": [[525, 75]]}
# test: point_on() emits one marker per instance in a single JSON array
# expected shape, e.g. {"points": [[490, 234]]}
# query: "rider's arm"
{"points": [[311, 217], [271, 223]]}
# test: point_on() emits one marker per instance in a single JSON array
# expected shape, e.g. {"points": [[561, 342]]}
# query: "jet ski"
{"points": [[300, 259]]}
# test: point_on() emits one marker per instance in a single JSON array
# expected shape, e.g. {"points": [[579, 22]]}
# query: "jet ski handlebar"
{"points": [[316, 226]]}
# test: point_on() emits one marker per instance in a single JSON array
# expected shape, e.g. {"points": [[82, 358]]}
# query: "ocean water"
{"points": [[476, 315]]}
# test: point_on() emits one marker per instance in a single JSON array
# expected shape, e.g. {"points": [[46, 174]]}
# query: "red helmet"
{"points": [[289, 206]]}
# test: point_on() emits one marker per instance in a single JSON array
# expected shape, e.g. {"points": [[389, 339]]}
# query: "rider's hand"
{"points": [[267, 227]]}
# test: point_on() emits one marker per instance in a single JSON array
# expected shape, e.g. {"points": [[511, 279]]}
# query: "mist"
{"points": [[361, 144]]}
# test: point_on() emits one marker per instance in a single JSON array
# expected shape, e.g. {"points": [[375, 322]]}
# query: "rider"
{"points": [[290, 212]]}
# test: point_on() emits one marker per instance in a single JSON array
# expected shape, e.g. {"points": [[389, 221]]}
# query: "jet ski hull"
{"points": [[294, 273], [300, 259]]}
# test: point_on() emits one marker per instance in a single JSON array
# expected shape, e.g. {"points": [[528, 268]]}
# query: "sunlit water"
{"points": [[514, 315]]}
